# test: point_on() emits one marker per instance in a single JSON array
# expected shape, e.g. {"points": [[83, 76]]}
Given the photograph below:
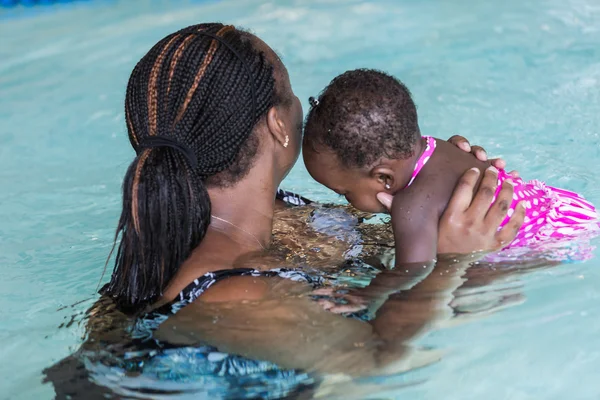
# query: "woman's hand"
{"points": [[463, 144], [469, 223], [479, 152], [339, 301]]}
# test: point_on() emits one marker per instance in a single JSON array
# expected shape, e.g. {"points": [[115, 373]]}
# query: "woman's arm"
{"points": [[406, 315], [287, 328], [468, 225]]}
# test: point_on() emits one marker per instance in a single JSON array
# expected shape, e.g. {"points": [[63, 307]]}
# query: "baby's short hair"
{"points": [[362, 116]]}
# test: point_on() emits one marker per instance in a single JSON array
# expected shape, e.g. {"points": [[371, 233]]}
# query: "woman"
{"points": [[216, 127]]}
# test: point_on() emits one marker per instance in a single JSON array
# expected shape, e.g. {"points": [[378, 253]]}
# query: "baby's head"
{"points": [[360, 136]]}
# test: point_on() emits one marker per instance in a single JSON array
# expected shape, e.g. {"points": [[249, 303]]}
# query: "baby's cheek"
{"points": [[367, 204], [354, 201]]}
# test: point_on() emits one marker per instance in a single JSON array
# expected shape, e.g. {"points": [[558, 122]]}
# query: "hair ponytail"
{"points": [[191, 106], [166, 211]]}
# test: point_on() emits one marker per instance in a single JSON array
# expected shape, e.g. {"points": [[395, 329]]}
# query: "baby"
{"points": [[362, 137]]}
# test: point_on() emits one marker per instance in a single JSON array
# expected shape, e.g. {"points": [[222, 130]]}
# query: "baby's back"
{"points": [[445, 167]]}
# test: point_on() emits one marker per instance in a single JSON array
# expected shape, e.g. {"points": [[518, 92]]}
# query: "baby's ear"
{"points": [[385, 177]]}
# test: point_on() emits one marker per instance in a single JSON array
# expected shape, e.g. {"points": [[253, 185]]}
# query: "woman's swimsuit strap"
{"points": [[198, 286]]}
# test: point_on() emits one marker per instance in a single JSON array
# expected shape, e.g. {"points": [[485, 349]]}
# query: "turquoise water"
{"points": [[520, 78]]}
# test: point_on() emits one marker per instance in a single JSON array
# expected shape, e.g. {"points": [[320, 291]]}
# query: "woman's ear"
{"points": [[277, 126], [384, 176]]}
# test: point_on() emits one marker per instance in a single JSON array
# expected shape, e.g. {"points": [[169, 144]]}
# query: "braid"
{"points": [[193, 90], [153, 89], [134, 195], [175, 59]]}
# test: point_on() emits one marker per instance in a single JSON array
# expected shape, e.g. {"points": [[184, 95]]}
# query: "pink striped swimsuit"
{"points": [[550, 213]]}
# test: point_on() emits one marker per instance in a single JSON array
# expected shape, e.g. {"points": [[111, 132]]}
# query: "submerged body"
{"points": [[265, 347]]}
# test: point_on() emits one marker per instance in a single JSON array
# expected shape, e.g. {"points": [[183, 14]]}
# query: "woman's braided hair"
{"points": [[191, 107]]}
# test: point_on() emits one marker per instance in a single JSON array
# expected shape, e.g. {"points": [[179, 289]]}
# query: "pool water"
{"points": [[520, 78]]}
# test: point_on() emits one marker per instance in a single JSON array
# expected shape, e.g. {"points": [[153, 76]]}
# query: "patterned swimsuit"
{"points": [[202, 370], [550, 213]]}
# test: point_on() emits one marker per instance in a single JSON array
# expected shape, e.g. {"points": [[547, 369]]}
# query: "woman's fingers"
{"points": [[324, 291], [463, 192], [461, 143], [498, 163], [485, 194], [514, 173], [498, 211], [326, 304], [339, 303], [509, 231], [347, 308], [470, 222], [479, 153]]}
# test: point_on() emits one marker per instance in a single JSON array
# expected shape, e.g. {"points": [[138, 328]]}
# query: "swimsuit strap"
{"points": [[291, 198], [429, 149], [199, 285]]}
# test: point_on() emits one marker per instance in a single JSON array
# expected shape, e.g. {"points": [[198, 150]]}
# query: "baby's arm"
{"points": [[415, 222]]}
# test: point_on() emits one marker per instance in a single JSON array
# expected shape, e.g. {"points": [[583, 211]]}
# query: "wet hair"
{"points": [[191, 107], [362, 116]]}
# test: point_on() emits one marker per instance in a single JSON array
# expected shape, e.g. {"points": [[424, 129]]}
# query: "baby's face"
{"points": [[357, 185]]}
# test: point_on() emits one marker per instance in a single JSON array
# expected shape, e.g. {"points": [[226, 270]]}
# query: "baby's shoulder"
{"points": [[432, 189], [426, 193]]}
